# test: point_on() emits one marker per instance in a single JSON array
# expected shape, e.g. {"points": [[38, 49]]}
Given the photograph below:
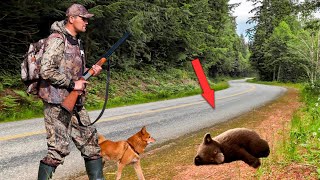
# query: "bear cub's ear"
{"points": [[207, 139]]}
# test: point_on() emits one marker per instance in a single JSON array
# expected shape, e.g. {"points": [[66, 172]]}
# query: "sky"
{"points": [[242, 13]]}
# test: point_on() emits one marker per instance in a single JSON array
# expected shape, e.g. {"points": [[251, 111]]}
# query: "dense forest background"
{"points": [[169, 33], [164, 33], [285, 41], [284, 44]]}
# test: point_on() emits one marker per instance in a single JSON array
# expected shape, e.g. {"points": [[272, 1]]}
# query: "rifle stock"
{"points": [[70, 101]]}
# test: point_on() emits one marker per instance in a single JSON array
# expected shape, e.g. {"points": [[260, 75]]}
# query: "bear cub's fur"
{"points": [[235, 144]]}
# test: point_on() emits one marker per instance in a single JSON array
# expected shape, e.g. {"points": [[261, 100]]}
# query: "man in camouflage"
{"points": [[62, 65]]}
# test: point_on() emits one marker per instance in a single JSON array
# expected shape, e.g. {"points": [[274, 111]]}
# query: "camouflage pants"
{"points": [[61, 127]]}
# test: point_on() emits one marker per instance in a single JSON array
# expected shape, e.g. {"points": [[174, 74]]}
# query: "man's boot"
{"points": [[94, 169], [45, 171]]}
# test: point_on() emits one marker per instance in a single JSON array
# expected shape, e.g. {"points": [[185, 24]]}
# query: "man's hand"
{"points": [[97, 69], [80, 85]]}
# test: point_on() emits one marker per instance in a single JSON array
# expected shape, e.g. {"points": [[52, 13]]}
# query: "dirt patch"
{"points": [[273, 126]]}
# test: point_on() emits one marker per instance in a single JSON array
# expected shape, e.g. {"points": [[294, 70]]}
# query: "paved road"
{"points": [[22, 144]]}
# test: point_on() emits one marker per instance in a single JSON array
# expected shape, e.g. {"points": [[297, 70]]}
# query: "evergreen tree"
{"points": [[267, 16]]}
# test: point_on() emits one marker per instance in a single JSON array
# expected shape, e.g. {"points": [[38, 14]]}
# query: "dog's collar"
{"points": [[132, 147]]}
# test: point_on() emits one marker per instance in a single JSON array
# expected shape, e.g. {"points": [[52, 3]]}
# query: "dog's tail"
{"points": [[101, 138]]}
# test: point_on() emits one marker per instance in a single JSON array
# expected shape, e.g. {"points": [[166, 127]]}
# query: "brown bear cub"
{"points": [[232, 145]]}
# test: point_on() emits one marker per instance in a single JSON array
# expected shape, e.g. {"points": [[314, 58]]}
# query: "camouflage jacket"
{"points": [[61, 63]]}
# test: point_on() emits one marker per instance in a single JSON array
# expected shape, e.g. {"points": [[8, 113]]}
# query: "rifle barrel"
{"points": [[89, 72], [116, 45]]}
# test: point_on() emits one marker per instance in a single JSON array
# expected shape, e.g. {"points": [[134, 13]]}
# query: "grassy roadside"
{"points": [[296, 149], [126, 88], [299, 149]]}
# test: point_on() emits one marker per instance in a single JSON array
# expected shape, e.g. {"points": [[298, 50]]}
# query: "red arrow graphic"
{"points": [[208, 93]]}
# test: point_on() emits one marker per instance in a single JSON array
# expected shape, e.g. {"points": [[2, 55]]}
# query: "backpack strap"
{"points": [[82, 55]]}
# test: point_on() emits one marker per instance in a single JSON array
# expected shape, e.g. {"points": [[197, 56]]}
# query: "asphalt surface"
{"points": [[23, 143]]}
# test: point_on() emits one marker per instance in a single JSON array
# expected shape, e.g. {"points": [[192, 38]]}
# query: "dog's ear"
{"points": [[207, 139], [143, 130], [101, 138]]}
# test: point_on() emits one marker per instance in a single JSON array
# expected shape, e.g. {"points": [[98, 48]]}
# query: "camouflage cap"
{"points": [[78, 10]]}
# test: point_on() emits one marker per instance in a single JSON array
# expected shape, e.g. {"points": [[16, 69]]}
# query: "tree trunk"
{"points": [[274, 73], [279, 70]]}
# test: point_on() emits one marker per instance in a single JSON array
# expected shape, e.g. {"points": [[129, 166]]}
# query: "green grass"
{"points": [[126, 88], [304, 146], [298, 86]]}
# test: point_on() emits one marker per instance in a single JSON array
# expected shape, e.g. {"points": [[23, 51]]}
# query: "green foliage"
{"points": [[10, 81], [164, 33], [275, 53], [9, 106], [133, 87], [304, 140], [19, 105], [305, 47], [277, 57], [8, 103]]}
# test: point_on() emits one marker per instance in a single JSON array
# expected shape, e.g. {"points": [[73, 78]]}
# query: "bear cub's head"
{"points": [[209, 152]]}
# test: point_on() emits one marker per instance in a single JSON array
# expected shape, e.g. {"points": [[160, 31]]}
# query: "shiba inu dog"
{"points": [[232, 145], [126, 152]]}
